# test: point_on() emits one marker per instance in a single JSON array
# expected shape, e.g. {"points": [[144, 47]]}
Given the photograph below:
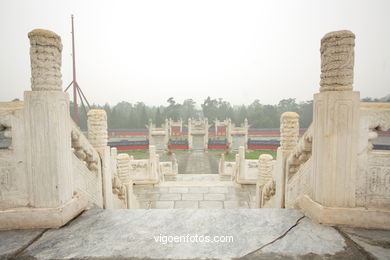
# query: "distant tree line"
{"points": [[127, 115]]}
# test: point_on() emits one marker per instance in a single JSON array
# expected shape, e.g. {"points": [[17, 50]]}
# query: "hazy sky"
{"points": [[237, 50]]}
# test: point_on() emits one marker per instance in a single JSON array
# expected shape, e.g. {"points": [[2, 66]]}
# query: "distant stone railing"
{"points": [[169, 168], [83, 150], [143, 171], [226, 167], [301, 153]]}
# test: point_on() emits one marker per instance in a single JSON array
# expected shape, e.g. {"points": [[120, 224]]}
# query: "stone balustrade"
{"points": [[83, 150], [268, 191], [7, 119], [118, 188], [374, 117], [301, 153]]}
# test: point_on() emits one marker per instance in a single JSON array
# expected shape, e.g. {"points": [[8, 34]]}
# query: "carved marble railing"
{"points": [[373, 175], [268, 191], [7, 110], [373, 117], [169, 168], [247, 170], [87, 167], [299, 184], [300, 154], [118, 187], [13, 181], [8, 120], [298, 169], [226, 167], [84, 151], [143, 171]]}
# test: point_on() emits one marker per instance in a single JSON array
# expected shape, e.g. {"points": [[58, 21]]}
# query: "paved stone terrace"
{"points": [[197, 162], [196, 191], [256, 233]]}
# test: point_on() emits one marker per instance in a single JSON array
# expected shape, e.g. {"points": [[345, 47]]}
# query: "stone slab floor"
{"points": [[197, 162], [198, 185], [195, 191], [146, 234]]}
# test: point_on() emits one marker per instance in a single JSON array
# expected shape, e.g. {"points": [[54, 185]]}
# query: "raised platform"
{"points": [[252, 234]]}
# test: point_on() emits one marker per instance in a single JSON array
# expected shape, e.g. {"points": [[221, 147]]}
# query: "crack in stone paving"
{"points": [[32, 241], [276, 239]]}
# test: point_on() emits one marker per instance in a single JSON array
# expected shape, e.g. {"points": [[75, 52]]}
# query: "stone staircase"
{"points": [[196, 191]]}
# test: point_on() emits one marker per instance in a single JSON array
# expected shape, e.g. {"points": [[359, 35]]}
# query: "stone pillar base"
{"points": [[27, 218], [353, 217]]}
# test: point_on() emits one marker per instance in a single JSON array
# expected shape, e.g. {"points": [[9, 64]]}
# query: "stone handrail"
{"points": [[83, 150], [301, 153], [268, 190], [377, 116], [6, 111]]}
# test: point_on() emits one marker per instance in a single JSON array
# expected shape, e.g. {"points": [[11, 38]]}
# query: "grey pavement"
{"points": [[197, 162], [150, 234]]}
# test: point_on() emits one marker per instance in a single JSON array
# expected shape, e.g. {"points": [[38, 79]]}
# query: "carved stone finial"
{"points": [[289, 130], [45, 56], [123, 162], [265, 168], [97, 127], [337, 61]]}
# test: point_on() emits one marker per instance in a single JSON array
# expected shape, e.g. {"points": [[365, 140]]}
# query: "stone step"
{"points": [[182, 234], [198, 177], [197, 184], [195, 194]]}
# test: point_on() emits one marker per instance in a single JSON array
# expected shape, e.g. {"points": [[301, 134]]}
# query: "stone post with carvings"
{"points": [[98, 137], [265, 169], [123, 161], [47, 143], [265, 175], [336, 123], [289, 132], [48, 125]]}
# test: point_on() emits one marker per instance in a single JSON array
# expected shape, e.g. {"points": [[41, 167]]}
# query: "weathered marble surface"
{"points": [[13, 241], [257, 233], [375, 242], [125, 233], [308, 237]]}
